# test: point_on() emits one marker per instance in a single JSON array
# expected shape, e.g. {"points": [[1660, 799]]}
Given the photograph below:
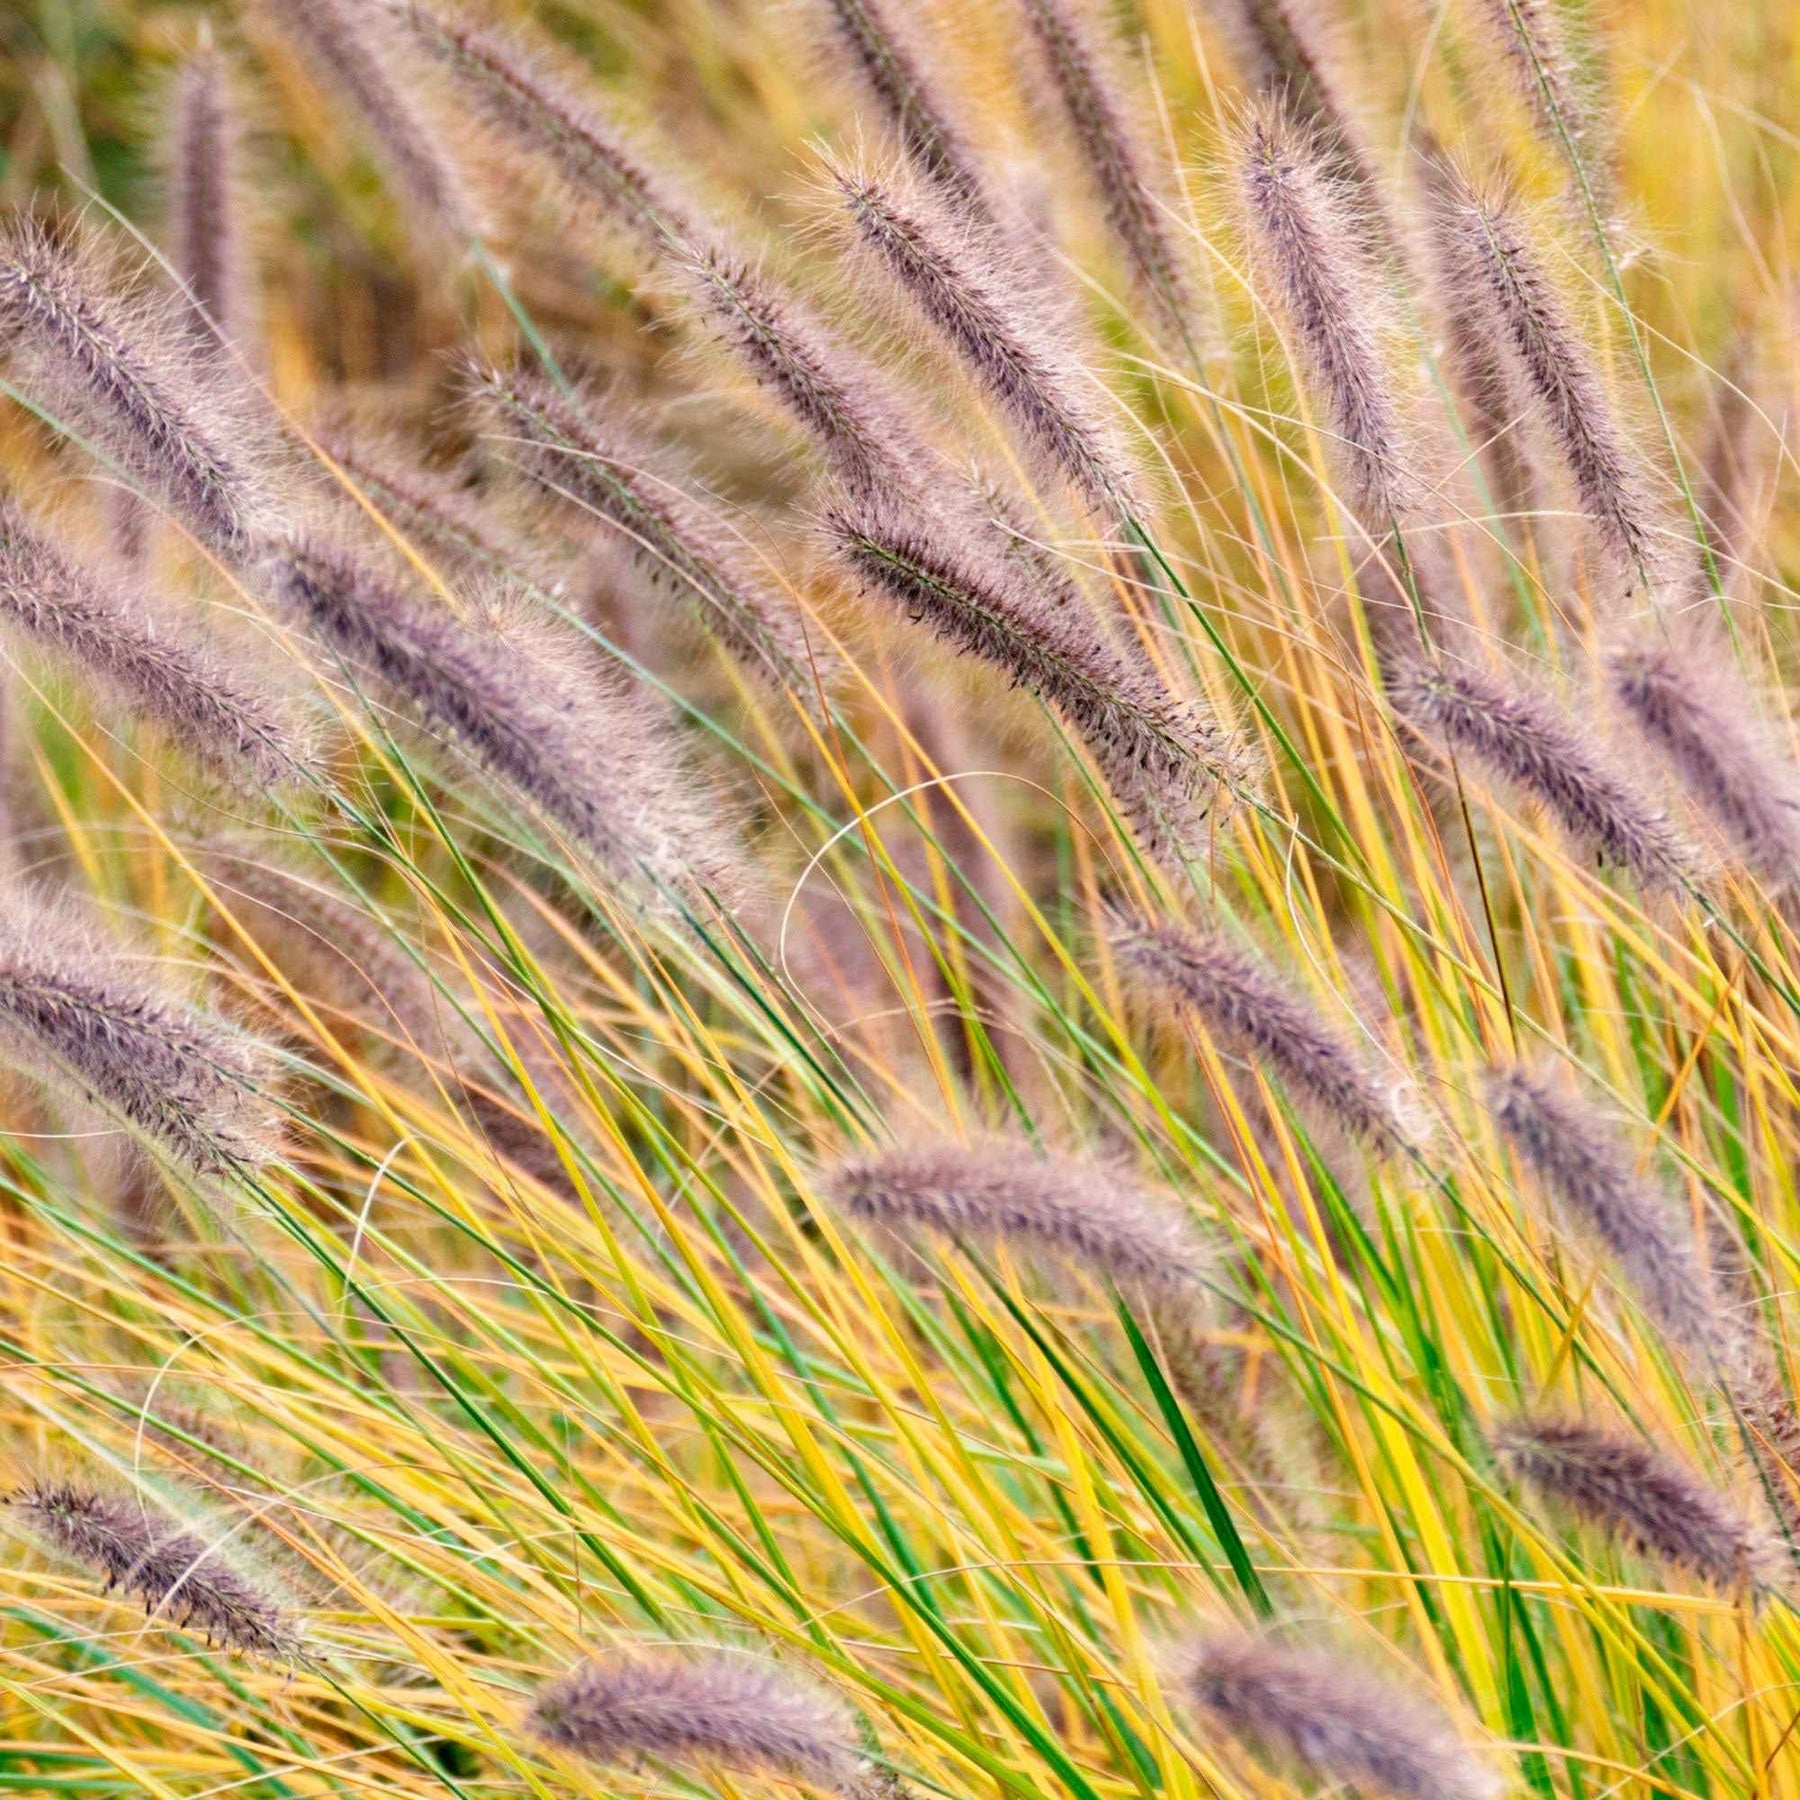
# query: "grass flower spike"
{"points": [[198, 1089], [698, 1710], [1086, 1215], [130, 379], [177, 1575], [1338, 1723], [1637, 1494]]}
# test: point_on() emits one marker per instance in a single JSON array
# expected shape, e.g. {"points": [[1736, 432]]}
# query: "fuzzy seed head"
{"points": [[350, 47], [1339, 1724], [1091, 1216], [1524, 741], [177, 1575], [532, 109], [1554, 372], [866, 433], [182, 1077], [1303, 240], [699, 1710], [603, 468], [1102, 122], [903, 73], [958, 282], [513, 700], [1258, 1016], [1637, 1493], [215, 707], [1166, 763], [1690, 708], [205, 225], [1537, 48], [127, 381], [1282, 49], [1588, 1172]]}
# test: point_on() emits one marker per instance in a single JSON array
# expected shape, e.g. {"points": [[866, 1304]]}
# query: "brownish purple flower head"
{"points": [[957, 280], [531, 108], [1104, 129], [1477, 361], [351, 49], [205, 227], [512, 699], [1303, 241], [1281, 48], [442, 512], [114, 370], [1166, 763], [1524, 741], [1554, 370], [184, 1078], [1323, 1712], [700, 1710], [606, 470], [1002, 1191], [217, 708], [1536, 44], [864, 430], [179, 1577], [904, 73], [1637, 1494], [1256, 1015], [1588, 1171], [1688, 705]]}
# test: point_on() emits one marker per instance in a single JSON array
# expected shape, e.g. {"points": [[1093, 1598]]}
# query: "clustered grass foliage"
{"points": [[897, 898]]}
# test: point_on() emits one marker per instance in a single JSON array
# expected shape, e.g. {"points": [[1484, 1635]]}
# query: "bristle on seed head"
{"points": [[199, 1090], [1303, 240], [153, 660], [1255, 1014], [1338, 1723], [1523, 740], [1090, 1216], [1636, 1493], [126, 374], [1589, 1173], [176, 1574], [1167, 764], [958, 281], [1687, 704], [699, 1710]]}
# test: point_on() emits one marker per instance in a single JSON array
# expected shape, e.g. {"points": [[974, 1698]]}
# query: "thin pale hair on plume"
{"points": [[578, 448], [1091, 1216], [195, 1087], [696, 1709], [95, 350], [174, 1571], [1578, 1156], [1168, 763], [153, 658], [961, 282], [886, 42], [1303, 244], [1101, 123], [1521, 738], [1637, 1493], [1256, 1013], [1323, 1711], [506, 690], [1675, 683]]}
